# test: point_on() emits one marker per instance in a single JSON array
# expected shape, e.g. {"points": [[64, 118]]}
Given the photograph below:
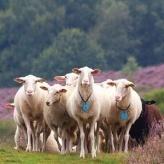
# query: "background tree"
{"points": [[71, 48], [55, 35], [130, 67]]}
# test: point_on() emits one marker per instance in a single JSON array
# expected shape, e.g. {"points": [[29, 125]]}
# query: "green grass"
{"points": [[7, 130], [8, 155]]}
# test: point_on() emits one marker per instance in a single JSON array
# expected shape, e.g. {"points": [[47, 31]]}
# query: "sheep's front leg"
{"points": [[29, 134], [46, 133], [82, 136], [115, 135], [126, 137], [68, 143], [55, 129], [111, 139], [92, 139], [38, 131], [63, 137], [16, 137], [121, 138], [97, 137]]}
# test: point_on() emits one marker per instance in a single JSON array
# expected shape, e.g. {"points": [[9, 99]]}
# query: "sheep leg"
{"points": [[121, 138], [29, 134], [55, 129], [116, 140], [126, 137], [92, 139], [70, 145], [16, 137], [33, 137], [97, 138], [111, 139], [38, 131], [82, 136], [63, 148], [46, 133]]}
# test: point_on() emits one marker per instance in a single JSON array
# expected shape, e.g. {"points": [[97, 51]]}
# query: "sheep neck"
{"points": [[62, 100], [85, 93]]}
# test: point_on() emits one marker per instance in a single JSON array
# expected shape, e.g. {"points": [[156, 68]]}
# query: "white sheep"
{"points": [[28, 102], [83, 105], [126, 111], [70, 79], [107, 102], [56, 116]]}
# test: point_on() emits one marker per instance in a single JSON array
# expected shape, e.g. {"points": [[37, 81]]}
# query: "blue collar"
{"points": [[85, 104]]}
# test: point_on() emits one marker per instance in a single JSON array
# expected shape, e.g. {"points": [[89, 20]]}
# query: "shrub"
{"points": [[158, 96]]}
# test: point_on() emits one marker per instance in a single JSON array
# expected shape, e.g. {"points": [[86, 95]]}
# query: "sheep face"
{"points": [[29, 83], [85, 75], [54, 93], [122, 89], [70, 79]]}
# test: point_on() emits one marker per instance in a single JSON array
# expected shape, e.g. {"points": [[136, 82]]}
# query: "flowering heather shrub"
{"points": [[152, 151], [6, 95], [151, 76]]}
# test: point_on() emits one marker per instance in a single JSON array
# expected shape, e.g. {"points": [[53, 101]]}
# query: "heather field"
{"points": [[150, 84]]}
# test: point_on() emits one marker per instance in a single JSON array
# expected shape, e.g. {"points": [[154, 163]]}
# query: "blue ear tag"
{"points": [[123, 115], [85, 106]]}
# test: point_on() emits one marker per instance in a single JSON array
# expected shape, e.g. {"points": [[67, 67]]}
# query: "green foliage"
{"points": [[73, 46], [107, 32], [158, 96], [131, 66]]}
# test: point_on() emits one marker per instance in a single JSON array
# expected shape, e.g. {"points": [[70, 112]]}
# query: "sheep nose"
{"points": [[85, 82], [30, 92], [69, 84], [48, 103], [117, 97]]}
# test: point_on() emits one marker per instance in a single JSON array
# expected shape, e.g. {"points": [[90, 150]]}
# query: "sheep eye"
{"points": [[66, 77]]}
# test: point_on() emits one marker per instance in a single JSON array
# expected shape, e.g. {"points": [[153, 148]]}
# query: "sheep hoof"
{"points": [[63, 152], [94, 154], [16, 148], [125, 151], [28, 149], [82, 155]]}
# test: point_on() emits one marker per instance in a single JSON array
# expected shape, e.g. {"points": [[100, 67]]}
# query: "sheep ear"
{"points": [[44, 88], [19, 80], [130, 84], [96, 71], [63, 90], [9, 105], [110, 82], [76, 70], [59, 78], [40, 80]]}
